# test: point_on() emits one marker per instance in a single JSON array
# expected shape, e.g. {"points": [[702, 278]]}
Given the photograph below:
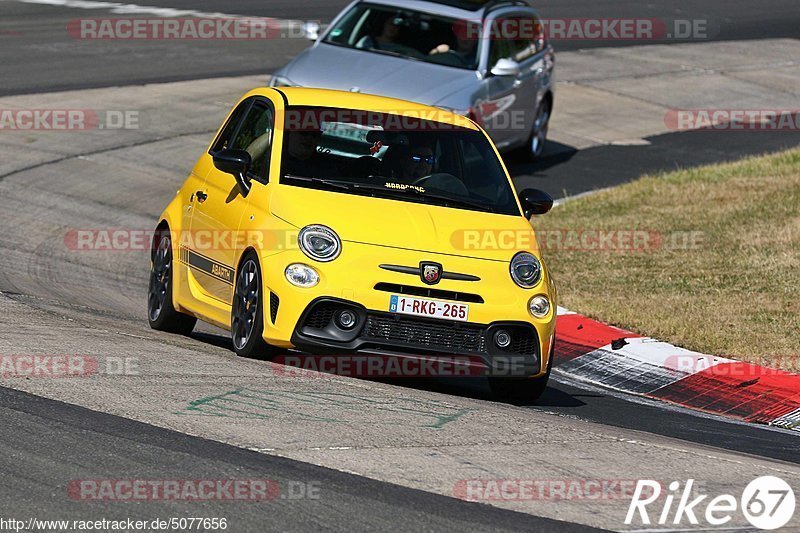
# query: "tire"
{"points": [[247, 312], [525, 389], [538, 138], [161, 313]]}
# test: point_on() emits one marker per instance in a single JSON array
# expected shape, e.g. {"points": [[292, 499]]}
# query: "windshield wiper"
{"points": [[462, 202], [322, 181]]}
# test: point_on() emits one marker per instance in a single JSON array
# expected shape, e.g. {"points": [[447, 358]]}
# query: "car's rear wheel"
{"points": [[247, 312], [521, 389], [160, 311], [538, 137]]}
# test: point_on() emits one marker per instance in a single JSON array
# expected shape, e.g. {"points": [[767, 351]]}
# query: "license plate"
{"points": [[429, 308]]}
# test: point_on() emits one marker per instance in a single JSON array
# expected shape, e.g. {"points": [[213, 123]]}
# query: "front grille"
{"points": [[429, 292], [321, 315], [274, 302], [425, 334]]}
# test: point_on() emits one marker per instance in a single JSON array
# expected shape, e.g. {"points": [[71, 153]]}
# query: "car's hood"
{"points": [[373, 73], [407, 225]]}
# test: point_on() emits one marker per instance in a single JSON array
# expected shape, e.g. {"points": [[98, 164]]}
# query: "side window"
{"points": [[501, 49], [255, 136], [224, 139], [519, 38]]}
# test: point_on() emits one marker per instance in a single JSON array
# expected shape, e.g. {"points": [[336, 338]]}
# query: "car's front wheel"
{"points": [[160, 311], [521, 389], [247, 312]]}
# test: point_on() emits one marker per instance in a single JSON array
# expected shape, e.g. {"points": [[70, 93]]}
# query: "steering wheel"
{"points": [[454, 56], [444, 182], [400, 49]]}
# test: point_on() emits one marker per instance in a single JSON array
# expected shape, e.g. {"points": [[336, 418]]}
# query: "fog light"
{"points": [[301, 275], [347, 319], [539, 306], [502, 339]]}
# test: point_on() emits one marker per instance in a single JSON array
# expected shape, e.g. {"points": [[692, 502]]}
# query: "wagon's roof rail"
{"points": [[482, 6], [495, 4]]}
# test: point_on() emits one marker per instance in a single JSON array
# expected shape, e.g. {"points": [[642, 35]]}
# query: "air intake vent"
{"points": [[274, 302]]}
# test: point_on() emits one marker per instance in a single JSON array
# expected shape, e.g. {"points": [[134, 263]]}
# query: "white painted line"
{"points": [[788, 421], [663, 354]]}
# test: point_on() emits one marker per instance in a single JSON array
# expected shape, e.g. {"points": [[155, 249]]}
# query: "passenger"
{"points": [[302, 157], [390, 34]]}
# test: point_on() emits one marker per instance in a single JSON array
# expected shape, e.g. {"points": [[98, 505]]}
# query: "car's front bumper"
{"points": [[304, 318], [318, 331]]}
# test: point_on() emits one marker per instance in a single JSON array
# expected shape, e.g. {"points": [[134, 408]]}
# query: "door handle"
{"points": [[201, 196]]}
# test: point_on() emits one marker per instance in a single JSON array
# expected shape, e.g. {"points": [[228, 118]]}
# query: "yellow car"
{"points": [[336, 222]]}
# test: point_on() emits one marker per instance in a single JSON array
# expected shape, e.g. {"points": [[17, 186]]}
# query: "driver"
{"points": [[465, 49], [417, 163]]}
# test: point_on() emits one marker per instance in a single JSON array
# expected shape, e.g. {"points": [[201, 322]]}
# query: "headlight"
{"points": [[280, 81], [539, 306], [320, 243], [526, 270], [301, 275]]}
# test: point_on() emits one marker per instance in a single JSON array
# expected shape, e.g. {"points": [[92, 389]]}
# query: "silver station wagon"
{"points": [[488, 60]]}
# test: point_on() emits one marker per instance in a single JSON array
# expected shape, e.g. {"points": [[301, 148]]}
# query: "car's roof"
{"points": [[304, 96], [460, 9]]}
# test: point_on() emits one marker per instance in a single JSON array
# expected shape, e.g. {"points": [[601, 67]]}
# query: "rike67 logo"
{"points": [[767, 503]]}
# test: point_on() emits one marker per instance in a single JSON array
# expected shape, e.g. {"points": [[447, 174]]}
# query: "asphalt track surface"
{"points": [[82, 439], [38, 54], [46, 443]]}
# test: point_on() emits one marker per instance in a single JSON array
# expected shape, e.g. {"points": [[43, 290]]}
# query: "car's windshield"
{"points": [[407, 158], [410, 34]]}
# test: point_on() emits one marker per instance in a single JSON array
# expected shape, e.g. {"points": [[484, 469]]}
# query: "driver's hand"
{"points": [[441, 49]]}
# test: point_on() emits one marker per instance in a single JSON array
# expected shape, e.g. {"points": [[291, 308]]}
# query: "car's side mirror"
{"points": [[506, 67], [235, 162], [535, 202], [311, 30]]}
